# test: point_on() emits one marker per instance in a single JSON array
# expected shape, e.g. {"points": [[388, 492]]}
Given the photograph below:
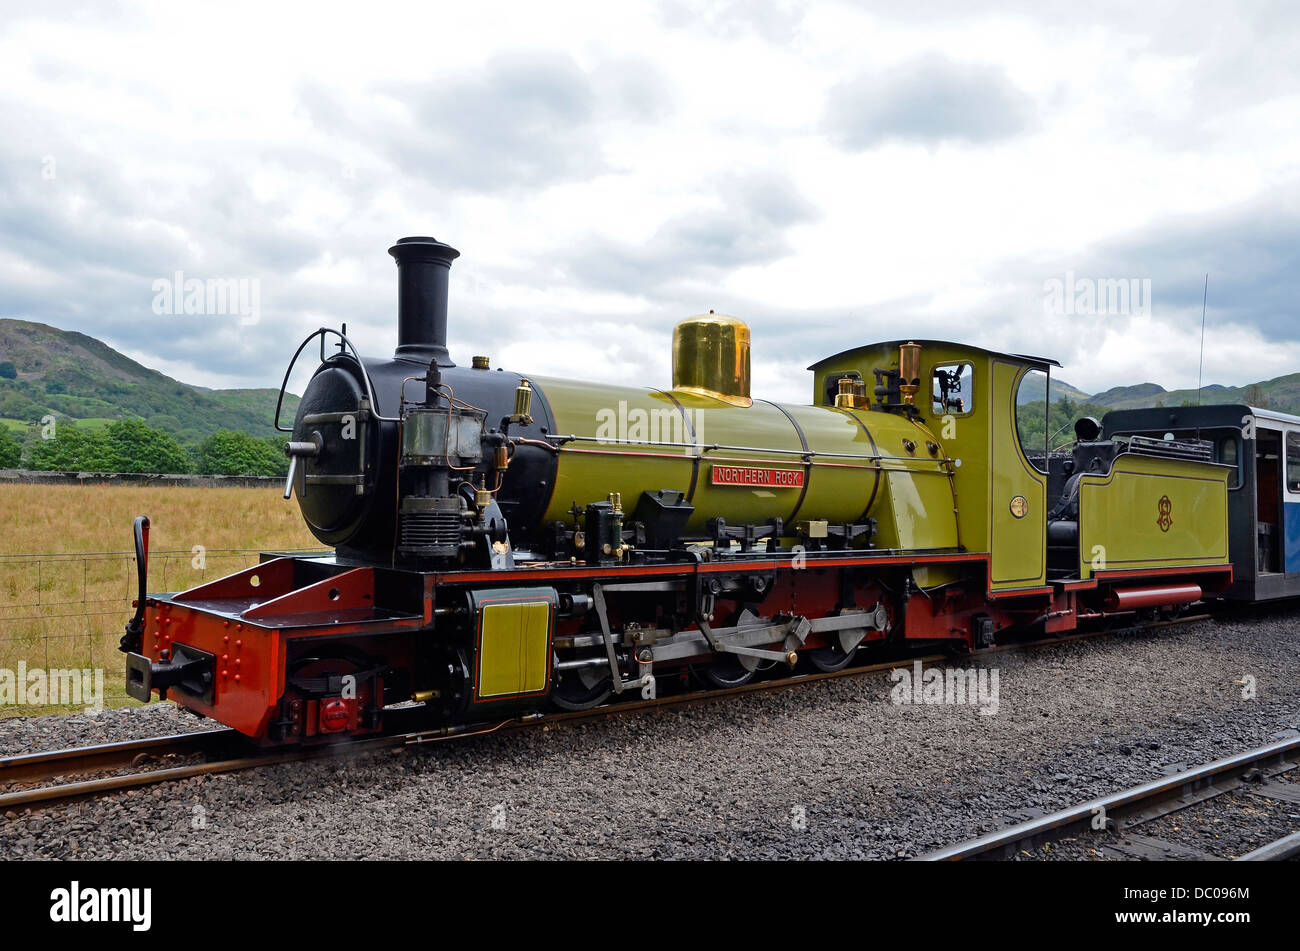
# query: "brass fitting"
{"points": [[523, 403], [844, 397], [861, 400], [909, 371]]}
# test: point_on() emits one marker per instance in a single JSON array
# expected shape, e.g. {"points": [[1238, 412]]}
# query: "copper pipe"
{"points": [[1152, 596]]}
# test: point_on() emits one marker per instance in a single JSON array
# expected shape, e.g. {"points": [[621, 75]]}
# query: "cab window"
{"points": [[1032, 417], [1293, 461], [951, 389]]}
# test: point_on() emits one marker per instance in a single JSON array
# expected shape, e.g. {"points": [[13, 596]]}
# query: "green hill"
{"points": [[1032, 390], [1068, 404], [1281, 393], [1139, 395], [44, 371]]}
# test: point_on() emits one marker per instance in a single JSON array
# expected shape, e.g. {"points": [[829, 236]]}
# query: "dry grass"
{"points": [[67, 575], [96, 518]]}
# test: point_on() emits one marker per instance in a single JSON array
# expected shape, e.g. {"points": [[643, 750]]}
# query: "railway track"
{"points": [[1115, 819], [45, 779]]}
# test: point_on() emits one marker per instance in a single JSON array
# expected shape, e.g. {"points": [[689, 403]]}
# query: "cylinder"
{"points": [[1152, 596], [423, 270]]}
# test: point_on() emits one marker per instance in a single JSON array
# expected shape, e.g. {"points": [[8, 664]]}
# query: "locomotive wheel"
{"points": [[581, 689], [843, 646], [733, 670], [829, 659], [729, 671]]}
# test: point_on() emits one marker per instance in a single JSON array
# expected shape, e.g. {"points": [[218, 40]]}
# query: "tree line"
{"points": [[1031, 418], [132, 445], [1032, 421]]}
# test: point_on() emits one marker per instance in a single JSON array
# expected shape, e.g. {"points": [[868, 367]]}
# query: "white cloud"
{"points": [[834, 175]]}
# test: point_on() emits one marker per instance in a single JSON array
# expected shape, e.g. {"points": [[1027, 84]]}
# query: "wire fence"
{"points": [[68, 611]]}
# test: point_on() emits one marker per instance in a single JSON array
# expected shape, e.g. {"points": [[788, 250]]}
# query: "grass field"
{"points": [[20, 426], [67, 574]]}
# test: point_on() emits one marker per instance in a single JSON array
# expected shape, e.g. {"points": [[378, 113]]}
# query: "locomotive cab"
{"points": [[972, 394]]}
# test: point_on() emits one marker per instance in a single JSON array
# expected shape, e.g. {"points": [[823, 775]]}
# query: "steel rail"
{"points": [[26, 767], [1184, 789], [1284, 849], [64, 762], [52, 765]]}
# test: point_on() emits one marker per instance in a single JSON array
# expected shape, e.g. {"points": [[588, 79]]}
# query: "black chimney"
{"points": [[423, 267]]}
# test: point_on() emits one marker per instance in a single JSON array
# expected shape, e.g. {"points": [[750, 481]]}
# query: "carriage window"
{"points": [[951, 389], [1229, 455], [1293, 461]]}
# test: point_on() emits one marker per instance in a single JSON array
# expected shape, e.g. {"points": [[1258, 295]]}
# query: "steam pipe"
{"points": [[1152, 596]]}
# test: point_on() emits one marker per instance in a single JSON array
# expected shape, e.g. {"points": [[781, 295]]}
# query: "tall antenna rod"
{"points": [[1205, 295]]}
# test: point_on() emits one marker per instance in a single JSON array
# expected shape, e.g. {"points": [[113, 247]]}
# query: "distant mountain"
{"points": [[1140, 395], [44, 370], [1031, 391], [1281, 394]]}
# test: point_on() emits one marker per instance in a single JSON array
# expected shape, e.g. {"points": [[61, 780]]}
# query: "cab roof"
{"points": [[1043, 362]]}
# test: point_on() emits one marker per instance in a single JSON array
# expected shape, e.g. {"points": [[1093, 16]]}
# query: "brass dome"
{"points": [[711, 358]]}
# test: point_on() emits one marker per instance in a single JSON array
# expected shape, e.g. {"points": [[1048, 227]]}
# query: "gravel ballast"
{"points": [[828, 770], [39, 734]]}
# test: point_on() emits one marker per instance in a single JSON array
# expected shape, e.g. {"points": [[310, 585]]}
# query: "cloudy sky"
{"points": [[833, 173]]}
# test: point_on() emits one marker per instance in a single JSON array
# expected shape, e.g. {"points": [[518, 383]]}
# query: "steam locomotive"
{"points": [[507, 542]]}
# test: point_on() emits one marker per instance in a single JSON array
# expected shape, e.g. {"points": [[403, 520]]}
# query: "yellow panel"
{"points": [[1149, 513], [920, 511], [514, 648], [1018, 500]]}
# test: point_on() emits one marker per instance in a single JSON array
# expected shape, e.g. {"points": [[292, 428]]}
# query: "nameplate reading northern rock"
{"points": [[753, 476]]}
